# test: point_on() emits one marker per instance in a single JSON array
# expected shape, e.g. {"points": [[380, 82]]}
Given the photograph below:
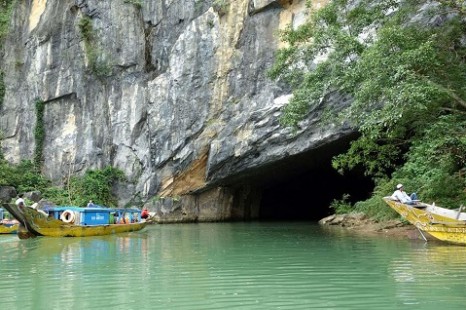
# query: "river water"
{"points": [[257, 265]]}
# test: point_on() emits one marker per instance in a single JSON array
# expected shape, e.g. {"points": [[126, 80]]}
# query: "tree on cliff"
{"points": [[403, 63]]}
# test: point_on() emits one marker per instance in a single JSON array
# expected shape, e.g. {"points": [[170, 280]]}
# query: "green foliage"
{"points": [[406, 82], [456, 5], [137, 3], [95, 185], [6, 7], [58, 195], [221, 6], [86, 29], [377, 158], [437, 161], [24, 177], [39, 134], [376, 208], [342, 206], [98, 62]]}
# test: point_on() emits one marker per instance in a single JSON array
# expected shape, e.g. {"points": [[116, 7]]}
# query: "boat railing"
{"points": [[449, 223]]}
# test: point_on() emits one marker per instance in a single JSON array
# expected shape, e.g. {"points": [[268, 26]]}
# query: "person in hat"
{"points": [[20, 201], [402, 197]]}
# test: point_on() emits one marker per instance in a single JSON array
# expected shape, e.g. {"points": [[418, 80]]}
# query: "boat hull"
{"points": [[38, 224], [8, 228], [440, 227]]}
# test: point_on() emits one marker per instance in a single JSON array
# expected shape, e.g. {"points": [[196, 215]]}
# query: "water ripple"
{"points": [[230, 266]]}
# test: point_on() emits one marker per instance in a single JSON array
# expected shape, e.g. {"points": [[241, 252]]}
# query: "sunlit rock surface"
{"points": [[173, 92]]}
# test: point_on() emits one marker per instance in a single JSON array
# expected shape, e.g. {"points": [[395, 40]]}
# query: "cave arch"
{"points": [[302, 187], [308, 194]]}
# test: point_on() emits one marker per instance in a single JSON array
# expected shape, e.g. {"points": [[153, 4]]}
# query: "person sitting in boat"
{"points": [[90, 204], [9, 221], [144, 213], [20, 201], [402, 197]]}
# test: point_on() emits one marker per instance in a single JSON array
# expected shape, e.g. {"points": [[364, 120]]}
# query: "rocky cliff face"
{"points": [[172, 92]]}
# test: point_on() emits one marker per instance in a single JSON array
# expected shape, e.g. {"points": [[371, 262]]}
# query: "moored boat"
{"points": [[7, 225], [69, 221], [441, 223]]}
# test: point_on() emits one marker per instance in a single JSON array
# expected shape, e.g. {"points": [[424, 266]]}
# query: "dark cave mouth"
{"points": [[302, 187], [307, 196]]}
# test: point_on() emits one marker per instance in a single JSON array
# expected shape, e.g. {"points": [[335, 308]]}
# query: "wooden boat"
{"points": [[7, 226], [441, 223], [75, 221]]}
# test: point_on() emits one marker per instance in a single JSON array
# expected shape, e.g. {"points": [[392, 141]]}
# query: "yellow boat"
{"points": [[75, 222], [7, 226], [441, 223]]}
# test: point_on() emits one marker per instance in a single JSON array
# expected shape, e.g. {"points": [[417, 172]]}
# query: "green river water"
{"points": [[257, 265]]}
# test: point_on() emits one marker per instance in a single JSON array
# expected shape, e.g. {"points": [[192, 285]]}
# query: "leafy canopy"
{"points": [[405, 76], [95, 185]]}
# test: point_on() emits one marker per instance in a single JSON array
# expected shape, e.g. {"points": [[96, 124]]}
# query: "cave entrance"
{"points": [[303, 187], [308, 195]]}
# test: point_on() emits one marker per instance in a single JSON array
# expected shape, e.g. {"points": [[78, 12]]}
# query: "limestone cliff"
{"points": [[172, 92]]}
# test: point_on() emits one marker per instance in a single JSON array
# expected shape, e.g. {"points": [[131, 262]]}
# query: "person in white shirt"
{"points": [[20, 201], [402, 197]]}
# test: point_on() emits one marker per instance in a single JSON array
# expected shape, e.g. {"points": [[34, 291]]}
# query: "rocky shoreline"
{"points": [[361, 224]]}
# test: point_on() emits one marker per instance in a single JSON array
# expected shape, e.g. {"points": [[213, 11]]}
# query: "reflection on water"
{"points": [[231, 265], [429, 274]]}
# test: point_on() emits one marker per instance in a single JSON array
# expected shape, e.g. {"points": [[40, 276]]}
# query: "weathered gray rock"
{"points": [[33, 196], [173, 93], [7, 193]]}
